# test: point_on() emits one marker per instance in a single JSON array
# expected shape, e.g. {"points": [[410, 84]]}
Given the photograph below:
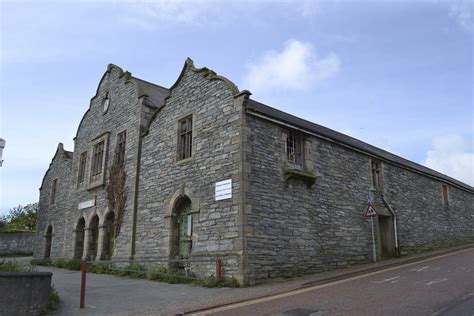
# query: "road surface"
{"points": [[438, 286]]}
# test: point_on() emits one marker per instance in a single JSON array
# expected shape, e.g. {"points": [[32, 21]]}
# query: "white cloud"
{"points": [[296, 67], [453, 156], [169, 11], [461, 12]]}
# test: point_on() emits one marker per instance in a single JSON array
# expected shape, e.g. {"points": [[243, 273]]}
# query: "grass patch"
{"points": [[12, 266]]}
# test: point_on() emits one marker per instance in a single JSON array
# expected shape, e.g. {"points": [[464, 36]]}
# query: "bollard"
{"points": [[218, 271], [83, 283]]}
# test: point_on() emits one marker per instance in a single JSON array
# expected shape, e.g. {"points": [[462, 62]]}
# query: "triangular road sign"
{"points": [[371, 212]]}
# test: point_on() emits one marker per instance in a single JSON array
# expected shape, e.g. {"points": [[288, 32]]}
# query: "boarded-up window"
{"points": [[445, 195], [82, 168], [185, 137], [54, 189], [97, 158], [120, 148], [293, 148], [376, 171]]}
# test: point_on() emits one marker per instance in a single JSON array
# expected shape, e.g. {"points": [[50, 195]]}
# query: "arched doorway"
{"points": [[79, 231], [48, 237], [109, 236], [94, 237], [181, 229]]}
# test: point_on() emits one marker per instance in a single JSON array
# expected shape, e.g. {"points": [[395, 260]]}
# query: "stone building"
{"points": [[201, 170]]}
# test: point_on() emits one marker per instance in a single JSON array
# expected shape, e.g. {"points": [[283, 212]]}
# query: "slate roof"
{"points": [[155, 94], [354, 143]]}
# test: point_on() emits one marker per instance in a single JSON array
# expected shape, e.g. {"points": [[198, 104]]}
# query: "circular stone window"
{"points": [[106, 103]]}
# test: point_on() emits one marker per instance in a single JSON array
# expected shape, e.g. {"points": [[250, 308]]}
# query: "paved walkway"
{"points": [[113, 295]]}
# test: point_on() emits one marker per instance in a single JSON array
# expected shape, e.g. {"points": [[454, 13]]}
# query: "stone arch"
{"points": [[93, 230], [48, 241], [183, 191], [108, 236], [79, 238], [181, 229]]}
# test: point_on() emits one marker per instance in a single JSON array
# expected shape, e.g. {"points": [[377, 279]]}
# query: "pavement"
{"points": [[113, 295]]}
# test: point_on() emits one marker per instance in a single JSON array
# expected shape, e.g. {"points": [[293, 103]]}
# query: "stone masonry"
{"points": [[281, 219]]}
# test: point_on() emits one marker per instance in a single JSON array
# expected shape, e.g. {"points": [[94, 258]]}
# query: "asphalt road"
{"points": [[437, 286]]}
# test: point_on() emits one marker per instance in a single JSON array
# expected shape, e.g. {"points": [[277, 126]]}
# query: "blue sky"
{"points": [[396, 74]]}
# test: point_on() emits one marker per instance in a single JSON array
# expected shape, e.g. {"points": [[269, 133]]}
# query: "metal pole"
{"points": [[374, 255], [83, 283], [218, 271]]}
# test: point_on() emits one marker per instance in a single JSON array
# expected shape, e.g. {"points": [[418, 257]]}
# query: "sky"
{"points": [[395, 74]]}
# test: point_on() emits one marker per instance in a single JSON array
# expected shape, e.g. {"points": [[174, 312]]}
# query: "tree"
{"points": [[20, 218]]}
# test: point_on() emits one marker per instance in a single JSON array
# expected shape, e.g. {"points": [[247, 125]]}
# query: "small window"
{"points": [[106, 103], [445, 195], [376, 171], [54, 189], [82, 168], [97, 158], [185, 137], [120, 147], [293, 149]]}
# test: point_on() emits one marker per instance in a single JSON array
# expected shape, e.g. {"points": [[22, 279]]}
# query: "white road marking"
{"points": [[316, 287], [436, 281], [386, 280], [420, 269]]}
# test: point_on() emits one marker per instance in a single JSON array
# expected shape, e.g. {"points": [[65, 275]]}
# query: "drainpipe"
{"points": [[397, 252]]}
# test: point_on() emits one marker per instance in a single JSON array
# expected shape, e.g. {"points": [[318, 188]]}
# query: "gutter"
{"points": [[395, 229]]}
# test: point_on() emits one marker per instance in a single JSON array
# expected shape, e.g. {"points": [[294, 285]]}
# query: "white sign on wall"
{"points": [[86, 204], [224, 190]]}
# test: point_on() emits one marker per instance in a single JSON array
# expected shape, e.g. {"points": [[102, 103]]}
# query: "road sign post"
{"points": [[371, 213]]}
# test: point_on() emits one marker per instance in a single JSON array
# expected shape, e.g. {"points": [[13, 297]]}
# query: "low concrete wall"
{"points": [[24, 293], [11, 243]]}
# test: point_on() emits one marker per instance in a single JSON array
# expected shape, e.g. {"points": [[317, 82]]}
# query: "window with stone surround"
{"points": [[293, 142], [376, 173], [54, 189], [445, 195], [185, 137], [120, 147], [82, 169], [97, 157]]}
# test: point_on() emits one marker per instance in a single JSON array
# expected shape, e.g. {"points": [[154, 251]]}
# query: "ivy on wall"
{"points": [[116, 194]]}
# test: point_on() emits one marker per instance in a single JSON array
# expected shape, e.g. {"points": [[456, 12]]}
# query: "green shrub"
{"points": [[59, 263], [210, 281], [158, 274], [73, 264], [53, 299], [140, 271], [230, 282], [13, 266], [41, 262], [99, 268]]}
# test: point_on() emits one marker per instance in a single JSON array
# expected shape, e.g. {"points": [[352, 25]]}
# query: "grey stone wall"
{"points": [[13, 243], [122, 115], [215, 157], [55, 214], [424, 221], [24, 293], [299, 229]]}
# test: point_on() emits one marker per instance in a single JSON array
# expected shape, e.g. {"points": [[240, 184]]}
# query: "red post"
{"points": [[218, 271], [83, 282]]}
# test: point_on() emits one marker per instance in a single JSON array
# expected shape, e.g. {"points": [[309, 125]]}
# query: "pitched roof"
{"points": [[348, 141], [155, 94]]}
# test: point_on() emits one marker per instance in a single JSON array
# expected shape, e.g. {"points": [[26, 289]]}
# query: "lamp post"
{"points": [[2, 145]]}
